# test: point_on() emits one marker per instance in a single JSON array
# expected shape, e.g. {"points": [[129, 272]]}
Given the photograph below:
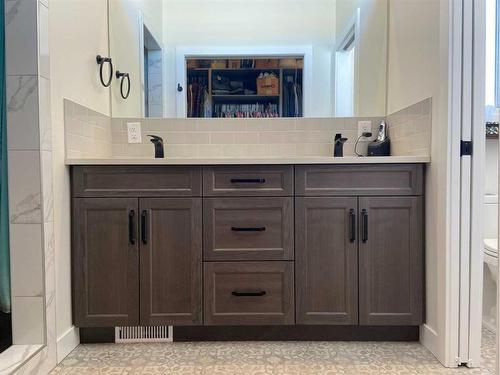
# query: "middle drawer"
{"points": [[248, 228]]}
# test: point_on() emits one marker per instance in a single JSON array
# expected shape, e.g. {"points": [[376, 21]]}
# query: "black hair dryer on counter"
{"points": [[158, 143], [338, 145]]}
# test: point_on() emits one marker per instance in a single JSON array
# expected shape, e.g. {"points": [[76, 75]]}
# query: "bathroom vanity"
{"points": [[248, 245]]}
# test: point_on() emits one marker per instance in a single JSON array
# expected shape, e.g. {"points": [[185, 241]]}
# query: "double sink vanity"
{"points": [[207, 243]]}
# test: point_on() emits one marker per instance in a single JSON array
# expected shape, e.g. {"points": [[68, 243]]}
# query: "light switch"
{"points": [[134, 132]]}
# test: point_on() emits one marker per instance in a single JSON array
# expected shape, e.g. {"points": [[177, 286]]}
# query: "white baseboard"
{"points": [[68, 341], [429, 339]]}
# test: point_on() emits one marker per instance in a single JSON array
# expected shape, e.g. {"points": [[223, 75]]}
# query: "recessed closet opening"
{"points": [[245, 86]]}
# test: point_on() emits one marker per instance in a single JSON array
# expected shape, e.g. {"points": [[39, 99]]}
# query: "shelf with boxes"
{"points": [[244, 87]]}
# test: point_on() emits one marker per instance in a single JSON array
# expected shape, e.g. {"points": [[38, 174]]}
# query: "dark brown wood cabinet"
{"points": [[326, 263], [105, 262], [256, 228], [249, 293], [233, 245], [137, 261], [170, 261], [390, 261]]}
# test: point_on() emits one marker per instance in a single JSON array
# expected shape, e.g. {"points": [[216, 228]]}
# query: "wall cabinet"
{"points": [[248, 245]]}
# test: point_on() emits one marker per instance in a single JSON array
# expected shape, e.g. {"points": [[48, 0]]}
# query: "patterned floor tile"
{"points": [[265, 358]]}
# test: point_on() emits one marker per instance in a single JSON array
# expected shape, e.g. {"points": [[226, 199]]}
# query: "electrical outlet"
{"points": [[364, 127], [134, 132]]}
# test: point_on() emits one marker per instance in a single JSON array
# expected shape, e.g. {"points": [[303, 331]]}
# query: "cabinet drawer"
{"points": [[381, 179], [266, 180], [136, 181], [249, 293], [248, 228]]}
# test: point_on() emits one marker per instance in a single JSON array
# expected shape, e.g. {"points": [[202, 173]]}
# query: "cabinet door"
{"points": [[390, 261], [171, 269], [326, 261], [105, 262]]}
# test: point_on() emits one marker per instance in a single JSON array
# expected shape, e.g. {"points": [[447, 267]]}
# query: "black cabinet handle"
{"points": [[257, 293], [248, 180], [144, 229], [352, 225], [248, 229], [364, 215], [131, 231]]}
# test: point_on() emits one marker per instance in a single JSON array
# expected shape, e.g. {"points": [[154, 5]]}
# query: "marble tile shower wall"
{"points": [[31, 201], [410, 129], [88, 133], [213, 138]]}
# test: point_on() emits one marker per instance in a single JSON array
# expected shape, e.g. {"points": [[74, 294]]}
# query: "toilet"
{"points": [[490, 279]]}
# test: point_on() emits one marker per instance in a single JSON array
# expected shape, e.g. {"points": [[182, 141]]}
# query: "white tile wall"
{"points": [[92, 135], [26, 313], [22, 113], [21, 37], [30, 181], [237, 137], [24, 187], [410, 129], [27, 259], [88, 133]]}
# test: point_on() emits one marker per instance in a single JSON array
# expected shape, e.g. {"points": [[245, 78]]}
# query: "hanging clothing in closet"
{"points": [[198, 99], [292, 97]]}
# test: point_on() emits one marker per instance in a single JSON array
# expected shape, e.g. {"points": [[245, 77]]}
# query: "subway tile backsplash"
{"points": [[93, 135], [237, 137], [88, 133], [410, 129]]}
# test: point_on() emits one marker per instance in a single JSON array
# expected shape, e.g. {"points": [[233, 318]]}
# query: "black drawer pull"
{"points": [[352, 225], [364, 214], [144, 229], [131, 231], [257, 293], [248, 229], [248, 180]]}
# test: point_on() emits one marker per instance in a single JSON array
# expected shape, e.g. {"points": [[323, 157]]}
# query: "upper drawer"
{"points": [[268, 180], [127, 181], [374, 179]]}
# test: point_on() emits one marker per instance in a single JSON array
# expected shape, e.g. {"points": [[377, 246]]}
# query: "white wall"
{"points": [[417, 69], [125, 48], [78, 32], [372, 52], [253, 23]]}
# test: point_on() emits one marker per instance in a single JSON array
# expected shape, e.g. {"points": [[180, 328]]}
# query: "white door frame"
{"points": [[478, 133], [466, 194], [184, 52]]}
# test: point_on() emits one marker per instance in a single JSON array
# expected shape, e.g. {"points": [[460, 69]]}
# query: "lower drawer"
{"points": [[249, 293]]}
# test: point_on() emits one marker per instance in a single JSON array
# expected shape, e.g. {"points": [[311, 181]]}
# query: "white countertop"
{"points": [[257, 160]]}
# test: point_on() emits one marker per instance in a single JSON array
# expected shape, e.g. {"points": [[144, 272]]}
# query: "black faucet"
{"points": [[158, 143], [338, 146]]}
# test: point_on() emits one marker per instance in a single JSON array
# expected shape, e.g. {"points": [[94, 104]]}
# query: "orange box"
{"points": [[269, 85]]}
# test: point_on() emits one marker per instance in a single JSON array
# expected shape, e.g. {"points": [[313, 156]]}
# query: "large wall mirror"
{"points": [[249, 58]]}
